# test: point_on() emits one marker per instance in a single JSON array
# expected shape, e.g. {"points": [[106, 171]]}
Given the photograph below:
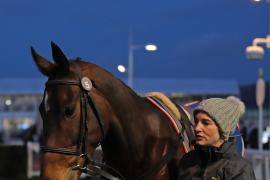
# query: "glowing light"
{"points": [[121, 68], [8, 102], [150, 47]]}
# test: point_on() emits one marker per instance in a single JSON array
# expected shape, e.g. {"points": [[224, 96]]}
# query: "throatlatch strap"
{"points": [[63, 151]]}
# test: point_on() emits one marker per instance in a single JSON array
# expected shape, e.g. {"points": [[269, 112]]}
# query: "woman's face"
{"points": [[206, 131]]}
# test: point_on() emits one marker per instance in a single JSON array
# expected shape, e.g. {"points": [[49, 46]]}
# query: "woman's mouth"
{"points": [[199, 137]]}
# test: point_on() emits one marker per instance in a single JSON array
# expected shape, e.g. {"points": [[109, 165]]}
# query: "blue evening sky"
{"points": [[196, 38]]}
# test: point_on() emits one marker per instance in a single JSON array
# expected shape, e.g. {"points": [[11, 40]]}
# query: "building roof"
{"points": [[141, 85], [188, 86], [11, 86]]}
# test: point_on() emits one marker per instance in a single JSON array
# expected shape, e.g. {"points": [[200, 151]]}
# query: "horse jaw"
{"points": [[57, 167]]}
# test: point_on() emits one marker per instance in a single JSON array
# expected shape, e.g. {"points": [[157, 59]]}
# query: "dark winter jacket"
{"points": [[209, 163]]}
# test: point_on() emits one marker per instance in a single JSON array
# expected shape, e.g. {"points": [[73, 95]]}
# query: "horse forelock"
{"points": [[59, 71]]}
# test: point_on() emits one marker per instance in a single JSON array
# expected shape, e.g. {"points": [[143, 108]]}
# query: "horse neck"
{"points": [[120, 138], [126, 106], [121, 98]]}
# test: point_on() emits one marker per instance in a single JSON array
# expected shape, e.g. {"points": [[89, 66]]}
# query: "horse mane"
{"points": [[106, 81], [103, 79], [165, 100]]}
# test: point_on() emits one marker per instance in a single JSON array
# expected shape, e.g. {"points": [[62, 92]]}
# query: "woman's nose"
{"points": [[198, 127]]}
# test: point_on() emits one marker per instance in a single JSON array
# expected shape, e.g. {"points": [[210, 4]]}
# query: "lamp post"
{"points": [[256, 52], [260, 95], [131, 48]]}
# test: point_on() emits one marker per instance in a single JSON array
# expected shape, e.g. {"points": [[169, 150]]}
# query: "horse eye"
{"points": [[68, 111]]}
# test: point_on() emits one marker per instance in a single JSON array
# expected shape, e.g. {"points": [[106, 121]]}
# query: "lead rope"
{"points": [[85, 133], [82, 125], [97, 114]]}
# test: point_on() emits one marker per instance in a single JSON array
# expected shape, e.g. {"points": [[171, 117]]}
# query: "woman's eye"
{"points": [[206, 123], [68, 111]]}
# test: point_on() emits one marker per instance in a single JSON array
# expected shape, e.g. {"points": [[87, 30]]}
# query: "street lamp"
{"points": [[258, 1], [150, 47], [131, 48], [121, 68], [256, 52]]}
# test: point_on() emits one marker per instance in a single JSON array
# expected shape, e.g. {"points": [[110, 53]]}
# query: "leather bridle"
{"points": [[90, 166]]}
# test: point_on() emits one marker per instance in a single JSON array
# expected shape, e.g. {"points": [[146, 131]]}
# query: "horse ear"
{"points": [[59, 57], [44, 66]]}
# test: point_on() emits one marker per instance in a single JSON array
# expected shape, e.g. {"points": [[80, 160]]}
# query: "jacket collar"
{"points": [[210, 154]]}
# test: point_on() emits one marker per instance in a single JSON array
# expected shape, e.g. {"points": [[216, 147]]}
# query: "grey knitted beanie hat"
{"points": [[225, 112]]}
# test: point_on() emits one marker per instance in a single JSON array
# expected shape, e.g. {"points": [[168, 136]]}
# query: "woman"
{"points": [[215, 156]]}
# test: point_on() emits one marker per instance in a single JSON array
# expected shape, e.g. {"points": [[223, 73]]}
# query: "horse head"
{"points": [[72, 123]]}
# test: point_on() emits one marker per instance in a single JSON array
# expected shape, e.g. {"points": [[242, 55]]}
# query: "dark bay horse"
{"points": [[85, 106]]}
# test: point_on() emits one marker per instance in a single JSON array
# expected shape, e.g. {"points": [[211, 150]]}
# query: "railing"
{"points": [[33, 168], [260, 162]]}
